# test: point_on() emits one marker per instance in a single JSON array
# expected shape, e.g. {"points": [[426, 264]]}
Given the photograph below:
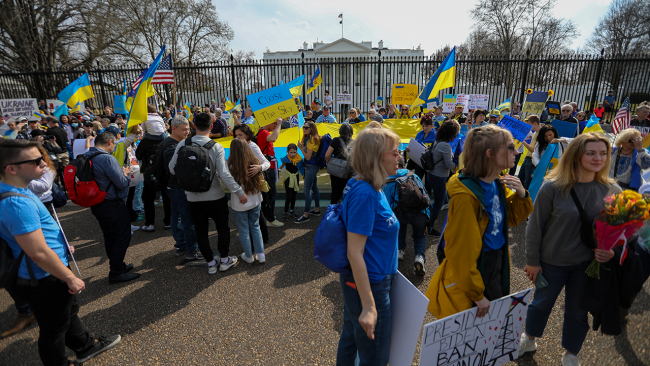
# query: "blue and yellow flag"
{"points": [[444, 77], [188, 109], [295, 85], [37, 115], [60, 111], [78, 91], [229, 105], [138, 110], [315, 81], [593, 125], [503, 106]]}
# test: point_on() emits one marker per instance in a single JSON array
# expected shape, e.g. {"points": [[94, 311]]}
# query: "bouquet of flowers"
{"points": [[621, 218]]}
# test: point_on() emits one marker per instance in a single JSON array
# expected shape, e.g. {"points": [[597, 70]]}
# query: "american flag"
{"points": [[622, 119], [165, 72]]}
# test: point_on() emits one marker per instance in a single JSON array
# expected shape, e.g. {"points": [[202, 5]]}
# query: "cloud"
{"points": [[274, 21], [278, 12], [304, 24]]}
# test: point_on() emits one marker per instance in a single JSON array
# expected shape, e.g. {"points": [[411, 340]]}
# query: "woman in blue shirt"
{"points": [[372, 250]]}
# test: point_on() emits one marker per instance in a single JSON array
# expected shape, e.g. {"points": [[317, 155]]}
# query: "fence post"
{"points": [[304, 97], [379, 78], [38, 82], [101, 84], [232, 75], [597, 80], [523, 79]]}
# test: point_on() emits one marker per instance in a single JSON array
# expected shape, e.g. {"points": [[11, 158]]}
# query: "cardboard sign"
{"points": [[553, 107], [379, 102], [343, 98], [479, 101], [565, 129], [517, 128], [52, 104], [432, 104], [404, 93], [535, 103], [450, 100], [19, 108], [273, 103], [465, 339], [464, 100], [408, 307]]}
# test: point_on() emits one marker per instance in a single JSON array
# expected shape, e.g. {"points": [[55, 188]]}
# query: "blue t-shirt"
{"points": [[22, 215], [610, 100], [367, 212], [493, 236]]}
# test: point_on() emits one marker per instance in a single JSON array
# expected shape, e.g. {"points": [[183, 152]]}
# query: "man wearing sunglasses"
{"points": [[44, 280], [566, 114]]}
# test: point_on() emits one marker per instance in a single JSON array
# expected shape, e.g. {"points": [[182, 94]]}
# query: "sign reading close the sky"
{"points": [[273, 103], [404, 93]]}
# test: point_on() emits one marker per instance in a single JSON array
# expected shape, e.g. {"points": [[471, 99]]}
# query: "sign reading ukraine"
{"points": [[272, 103]]}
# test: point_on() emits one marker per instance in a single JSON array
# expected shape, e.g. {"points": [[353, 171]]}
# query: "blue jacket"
{"points": [[392, 195], [431, 137], [107, 170]]}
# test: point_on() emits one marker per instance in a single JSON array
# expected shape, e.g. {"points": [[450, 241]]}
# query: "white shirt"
{"points": [[42, 188], [522, 147], [562, 146], [258, 153], [154, 125]]}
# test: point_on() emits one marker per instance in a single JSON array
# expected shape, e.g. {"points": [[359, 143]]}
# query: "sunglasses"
{"points": [[393, 152], [36, 161], [512, 148]]}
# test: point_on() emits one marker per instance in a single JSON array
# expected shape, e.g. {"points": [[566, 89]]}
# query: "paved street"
{"points": [[285, 312]]}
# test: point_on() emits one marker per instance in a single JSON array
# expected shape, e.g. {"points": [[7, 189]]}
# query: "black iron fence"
{"points": [[584, 79]]}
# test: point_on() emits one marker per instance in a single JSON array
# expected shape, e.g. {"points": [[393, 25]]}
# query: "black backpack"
{"points": [[426, 159], [193, 166], [9, 265], [154, 173], [411, 198]]}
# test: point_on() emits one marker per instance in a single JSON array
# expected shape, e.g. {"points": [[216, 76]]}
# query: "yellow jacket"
{"points": [[458, 282]]}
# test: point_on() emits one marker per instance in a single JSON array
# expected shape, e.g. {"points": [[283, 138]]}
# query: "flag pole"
{"points": [[174, 91]]}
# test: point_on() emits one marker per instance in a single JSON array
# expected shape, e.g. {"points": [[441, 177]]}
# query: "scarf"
{"points": [[295, 160]]}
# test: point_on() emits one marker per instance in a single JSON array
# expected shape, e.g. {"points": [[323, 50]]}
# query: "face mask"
{"points": [[75, 125]]}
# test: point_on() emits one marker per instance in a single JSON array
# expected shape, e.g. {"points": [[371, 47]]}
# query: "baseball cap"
{"points": [[85, 118], [114, 130], [35, 133], [495, 113], [460, 105], [20, 119]]}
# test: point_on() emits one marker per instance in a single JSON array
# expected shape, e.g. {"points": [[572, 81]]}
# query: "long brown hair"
{"points": [[46, 159], [313, 133], [241, 158]]}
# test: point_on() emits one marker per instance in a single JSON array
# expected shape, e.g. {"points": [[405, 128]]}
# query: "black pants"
{"points": [[201, 213], [268, 201], [129, 204], [264, 230], [290, 200], [148, 197], [338, 185], [56, 311], [492, 274], [114, 221]]}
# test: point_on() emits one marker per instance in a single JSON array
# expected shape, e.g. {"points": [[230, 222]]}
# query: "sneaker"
{"points": [[179, 252], [212, 269], [315, 213], [274, 223], [246, 259], [102, 344], [260, 258], [285, 217], [400, 255], [294, 214], [232, 261], [139, 212], [302, 219], [570, 360], [148, 228], [445, 207], [140, 218], [167, 227], [193, 256], [22, 321], [134, 228], [419, 265], [433, 232], [528, 345]]}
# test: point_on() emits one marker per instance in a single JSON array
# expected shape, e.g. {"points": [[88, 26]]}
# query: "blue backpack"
{"points": [[322, 150], [331, 241]]}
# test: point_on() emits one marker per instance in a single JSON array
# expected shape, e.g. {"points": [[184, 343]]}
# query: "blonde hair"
{"points": [[478, 142], [567, 172], [373, 124], [626, 135], [532, 119], [368, 153]]}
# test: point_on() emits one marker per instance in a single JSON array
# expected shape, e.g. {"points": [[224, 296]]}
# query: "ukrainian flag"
{"points": [[229, 105], [188, 109], [444, 77], [138, 110], [60, 111], [593, 125], [315, 81], [503, 106], [78, 91], [37, 115], [295, 86]]}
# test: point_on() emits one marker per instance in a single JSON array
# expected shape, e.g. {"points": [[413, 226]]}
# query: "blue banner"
{"points": [[517, 128], [549, 158]]}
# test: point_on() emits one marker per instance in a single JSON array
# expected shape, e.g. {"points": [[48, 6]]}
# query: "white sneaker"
{"points": [[246, 259], [275, 223], [444, 207], [569, 360], [400, 255], [232, 261], [526, 345], [148, 228], [212, 269], [134, 228], [260, 258]]}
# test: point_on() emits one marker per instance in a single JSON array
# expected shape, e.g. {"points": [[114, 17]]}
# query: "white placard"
{"points": [[19, 108], [464, 339], [431, 105], [464, 100], [79, 146], [343, 98], [408, 307], [479, 101], [415, 151]]}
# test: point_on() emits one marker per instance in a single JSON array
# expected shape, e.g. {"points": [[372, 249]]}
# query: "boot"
{"points": [[22, 321]]}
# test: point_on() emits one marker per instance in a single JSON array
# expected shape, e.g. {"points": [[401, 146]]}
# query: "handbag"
{"points": [[264, 185], [338, 167], [59, 198]]}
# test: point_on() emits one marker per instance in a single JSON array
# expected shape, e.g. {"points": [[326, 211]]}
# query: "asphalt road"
{"points": [[285, 312]]}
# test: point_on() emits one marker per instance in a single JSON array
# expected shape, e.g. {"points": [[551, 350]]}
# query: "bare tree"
{"points": [[624, 29]]}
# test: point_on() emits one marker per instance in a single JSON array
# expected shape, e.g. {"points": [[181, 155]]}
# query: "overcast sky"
{"points": [[284, 25]]}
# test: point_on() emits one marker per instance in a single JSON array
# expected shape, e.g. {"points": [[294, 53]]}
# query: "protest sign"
{"points": [[479, 101], [549, 159], [273, 103], [120, 104], [408, 307], [379, 102], [464, 100], [343, 98], [565, 129], [465, 339], [52, 104], [415, 151], [19, 108], [79, 146], [448, 103], [404, 93], [553, 107], [517, 128], [433, 103], [535, 102]]}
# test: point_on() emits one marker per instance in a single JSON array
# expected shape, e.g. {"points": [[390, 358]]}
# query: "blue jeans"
{"points": [[526, 172], [354, 341], [311, 185], [248, 225], [576, 325], [137, 197], [183, 233], [418, 222], [439, 188]]}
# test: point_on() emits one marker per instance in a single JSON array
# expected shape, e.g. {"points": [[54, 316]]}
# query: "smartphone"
{"points": [[540, 282]]}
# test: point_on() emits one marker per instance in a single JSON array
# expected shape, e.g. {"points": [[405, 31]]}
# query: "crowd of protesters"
{"points": [[474, 178]]}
